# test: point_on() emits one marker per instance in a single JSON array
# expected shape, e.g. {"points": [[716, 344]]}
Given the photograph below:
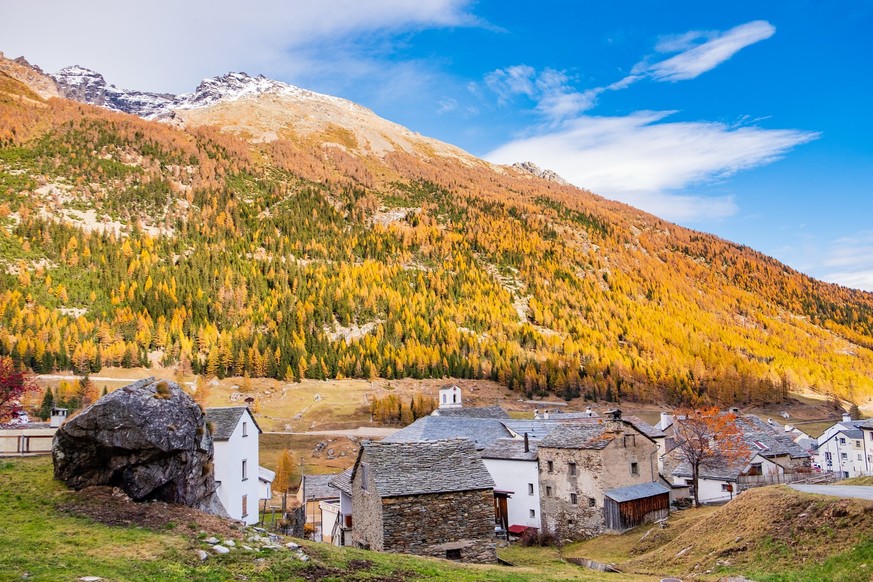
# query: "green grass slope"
{"points": [[51, 533]]}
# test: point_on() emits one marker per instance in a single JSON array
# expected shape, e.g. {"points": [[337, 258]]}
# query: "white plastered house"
{"points": [[237, 473]]}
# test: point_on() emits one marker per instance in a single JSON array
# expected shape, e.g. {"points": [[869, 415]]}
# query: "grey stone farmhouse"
{"points": [[431, 498], [582, 467]]}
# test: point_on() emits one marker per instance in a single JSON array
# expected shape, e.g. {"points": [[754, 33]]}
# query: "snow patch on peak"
{"points": [[236, 86]]}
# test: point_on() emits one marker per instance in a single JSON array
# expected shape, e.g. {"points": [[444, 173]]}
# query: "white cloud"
{"points": [[512, 81], [719, 47], [648, 162], [167, 45], [550, 90], [849, 261], [556, 99]]}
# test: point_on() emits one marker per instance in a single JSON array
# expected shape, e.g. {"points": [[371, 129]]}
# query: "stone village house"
{"points": [[431, 498], [583, 467]]}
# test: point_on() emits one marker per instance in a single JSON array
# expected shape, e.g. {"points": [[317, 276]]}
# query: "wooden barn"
{"points": [[627, 507]]}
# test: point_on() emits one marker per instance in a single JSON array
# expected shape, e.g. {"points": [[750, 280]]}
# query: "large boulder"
{"points": [[149, 439]]}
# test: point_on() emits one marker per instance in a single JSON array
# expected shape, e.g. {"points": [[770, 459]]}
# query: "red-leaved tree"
{"points": [[14, 383], [708, 438]]}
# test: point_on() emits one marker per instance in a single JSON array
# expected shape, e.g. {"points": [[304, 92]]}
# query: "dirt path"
{"points": [[856, 491], [92, 378], [361, 431]]}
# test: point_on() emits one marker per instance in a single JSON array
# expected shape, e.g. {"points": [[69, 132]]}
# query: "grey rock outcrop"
{"points": [[149, 439], [548, 175], [87, 86]]}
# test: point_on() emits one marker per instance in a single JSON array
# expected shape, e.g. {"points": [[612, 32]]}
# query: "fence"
{"points": [[20, 443], [749, 481]]}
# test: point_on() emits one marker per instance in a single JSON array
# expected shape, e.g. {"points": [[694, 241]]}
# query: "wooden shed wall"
{"points": [[630, 514]]}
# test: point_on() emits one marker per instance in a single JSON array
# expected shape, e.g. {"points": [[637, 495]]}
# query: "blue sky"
{"points": [[751, 120]]}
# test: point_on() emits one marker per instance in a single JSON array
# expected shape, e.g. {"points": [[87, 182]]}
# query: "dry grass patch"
{"points": [[769, 529]]}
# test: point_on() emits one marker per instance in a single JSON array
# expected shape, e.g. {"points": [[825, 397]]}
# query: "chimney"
{"points": [[545, 415], [734, 410], [788, 428], [588, 411], [666, 420], [526, 444], [847, 417]]}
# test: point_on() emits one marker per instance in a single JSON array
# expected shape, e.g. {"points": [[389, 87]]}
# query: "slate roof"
{"points": [[578, 436], [264, 474], [419, 468], [482, 431], [343, 482], [473, 412], [773, 438], [632, 492], [317, 487], [225, 419], [852, 433], [535, 429], [644, 427], [510, 450], [718, 473]]}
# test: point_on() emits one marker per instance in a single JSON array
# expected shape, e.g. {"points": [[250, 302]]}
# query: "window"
{"points": [[630, 438], [365, 475], [530, 488], [573, 499], [725, 487], [245, 429], [635, 468], [842, 441], [572, 467], [548, 490], [453, 554], [859, 457], [592, 502], [844, 456], [245, 469], [533, 513], [551, 466], [245, 505], [857, 444], [828, 456]]}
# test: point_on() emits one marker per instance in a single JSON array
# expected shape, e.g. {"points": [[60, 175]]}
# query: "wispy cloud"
{"points": [[693, 61], [642, 159], [849, 261], [171, 45], [550, 90], [646, 161], [557, 99]]}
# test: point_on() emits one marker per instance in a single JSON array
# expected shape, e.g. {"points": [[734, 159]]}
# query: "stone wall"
{"points": [[435, 524], [596, 471], [367, 529]]}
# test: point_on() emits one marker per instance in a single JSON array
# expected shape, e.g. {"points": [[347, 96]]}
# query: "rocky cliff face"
{"points": [[549, 175], [31, 75], [87, 86], [149, 439]]}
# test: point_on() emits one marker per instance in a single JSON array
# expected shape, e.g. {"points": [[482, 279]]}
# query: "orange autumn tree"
{"points": [[707, 438]]}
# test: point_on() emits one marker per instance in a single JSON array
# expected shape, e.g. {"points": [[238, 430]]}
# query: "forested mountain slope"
{"points": [[236, 240]]}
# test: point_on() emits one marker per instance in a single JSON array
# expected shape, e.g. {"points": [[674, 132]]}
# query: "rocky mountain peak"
{"points": [[532, 168], [31, 75], [81, 84]]}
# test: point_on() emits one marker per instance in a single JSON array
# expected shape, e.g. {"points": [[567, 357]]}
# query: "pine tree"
{"points": [[48, 402]]}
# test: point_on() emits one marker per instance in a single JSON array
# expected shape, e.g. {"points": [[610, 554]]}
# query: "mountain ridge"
{"points": [[245, 236]]}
